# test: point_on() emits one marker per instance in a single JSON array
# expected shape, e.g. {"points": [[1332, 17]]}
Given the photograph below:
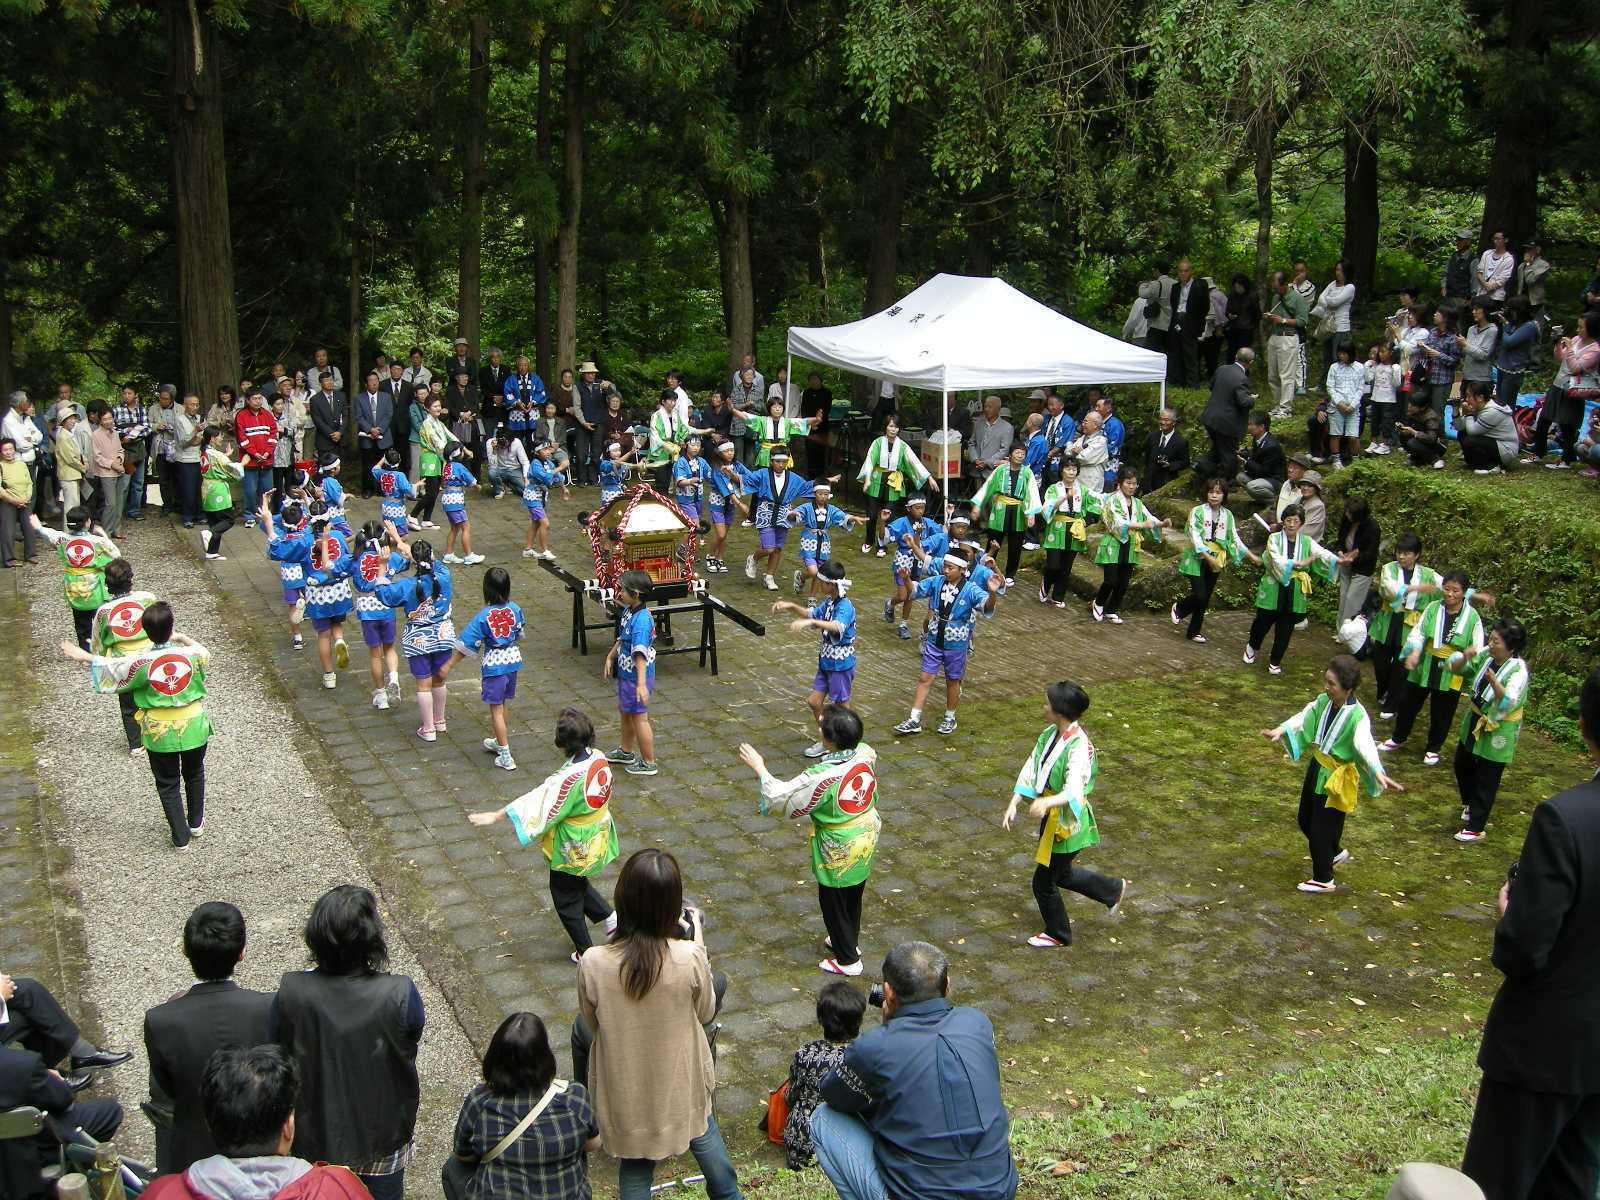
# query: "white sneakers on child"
{"points": [[330, 680], [380, 699]]}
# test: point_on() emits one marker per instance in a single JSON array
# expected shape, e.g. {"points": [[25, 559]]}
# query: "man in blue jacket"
{"points": [[913, 1112]]}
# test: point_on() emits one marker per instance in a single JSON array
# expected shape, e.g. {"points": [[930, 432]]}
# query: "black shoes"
{"points": [[101, 1060]]}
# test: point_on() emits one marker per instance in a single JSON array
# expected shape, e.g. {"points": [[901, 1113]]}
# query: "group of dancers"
{"points": [[1427, 644]]}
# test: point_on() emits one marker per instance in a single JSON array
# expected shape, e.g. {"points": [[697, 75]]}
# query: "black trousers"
{"points": [[1194, 605], [870, 531], [218, 522], [1323, 826], [1527, 1145], [1478, 451], [1381, 422], [1013, 540], [83, 625], [130, 725], [577, 903], [1568, 415], [1222, 460], [841, 913], [816, 456], [181, 784], [1115, 585], [371, 456], [1478, 781], [422, 510], [1441, 712], [1424, 452], [1281, 620], [1389, 679], [1057, 572], [1048, 883], [36, 1021]]}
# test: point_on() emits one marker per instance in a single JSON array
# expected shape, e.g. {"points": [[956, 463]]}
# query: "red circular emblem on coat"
{"points": [[857, 789], [80, 552], [126, 618], [169, 674], [597, 784]]}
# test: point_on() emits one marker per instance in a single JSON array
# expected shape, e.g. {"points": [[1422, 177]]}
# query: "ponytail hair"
{"points": [[422, 559], [371, 534], [391, 458]]}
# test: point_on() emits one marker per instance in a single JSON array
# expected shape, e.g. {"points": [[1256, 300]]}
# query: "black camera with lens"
{"points": [[875, 995]]}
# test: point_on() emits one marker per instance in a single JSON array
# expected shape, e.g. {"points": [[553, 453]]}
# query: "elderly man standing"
{"points": [[991, 440], [1191, 302], [1456, 282], [1529, 282], [1225, 415], [914, 1108], [590, 413], [1285, 316]]}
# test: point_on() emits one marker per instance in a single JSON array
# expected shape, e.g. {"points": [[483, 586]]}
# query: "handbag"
{"points": [[777, 1114]]}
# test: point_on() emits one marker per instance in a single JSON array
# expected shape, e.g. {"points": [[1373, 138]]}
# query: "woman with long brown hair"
{"points": [[644, 999]]}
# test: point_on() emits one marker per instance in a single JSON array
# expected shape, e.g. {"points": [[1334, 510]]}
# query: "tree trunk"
{"points": [[571, 206], [8, 370], [1511, 191], [738, 279], [208, 321], [469, 304], [541, 248], [883, 259], [355, 376], [1361, 201], [1263, 138], [603, 295]]}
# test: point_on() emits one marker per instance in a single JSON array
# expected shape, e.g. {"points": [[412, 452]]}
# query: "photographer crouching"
{"points": [[913, 1112]]}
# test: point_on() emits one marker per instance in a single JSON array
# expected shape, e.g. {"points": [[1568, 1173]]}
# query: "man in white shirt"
{"points": [[1494, 269], [319, 364], [1307, 290]]}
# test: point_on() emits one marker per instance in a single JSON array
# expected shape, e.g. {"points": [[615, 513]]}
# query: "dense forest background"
{"points": [[195, 188]]}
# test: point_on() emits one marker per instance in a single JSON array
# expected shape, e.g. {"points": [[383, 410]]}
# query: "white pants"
{"points": [[1283, 369]]}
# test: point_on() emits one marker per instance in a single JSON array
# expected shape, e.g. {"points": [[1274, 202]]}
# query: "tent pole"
{"points": [[1163, 402], [788, 388], [944, 451]]}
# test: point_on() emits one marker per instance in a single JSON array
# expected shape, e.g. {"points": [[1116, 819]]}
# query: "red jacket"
{"points": [[320, 1183], [257, 432]]}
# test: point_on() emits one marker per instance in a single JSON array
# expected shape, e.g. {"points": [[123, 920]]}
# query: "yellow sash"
{"points": [[669, 447], [1220, 552], [158, 722], [896, 480], [1343, 784], [1077, 528], [1302, 578], [1003, 498], [548, 841], [1055, 830], [1413, 615], [1485, 725], [1447, 652], [769, 447]]}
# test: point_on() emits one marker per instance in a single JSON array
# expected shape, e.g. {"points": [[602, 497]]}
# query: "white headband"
{"points": [[955, 560]]}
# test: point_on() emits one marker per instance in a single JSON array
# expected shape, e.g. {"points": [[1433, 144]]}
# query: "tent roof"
{"points": [[957, 333]]}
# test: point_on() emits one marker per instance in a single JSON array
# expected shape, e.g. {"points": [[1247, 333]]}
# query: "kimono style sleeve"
{"points": [[923, 588], [463, 476], [1076, 777], [1197, 526], [1234, 543], [1324, 561], [397, 593], [791, 797], [912, 465], [1027, 777], [533, 812], [472, 638], [1293, 730], [1369, 764], [867, 463], [1033, 494], [109, 676], [288, 548], [1415, 640], [746, 476]]}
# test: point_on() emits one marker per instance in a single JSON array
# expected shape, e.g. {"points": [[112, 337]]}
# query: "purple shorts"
{"points": [[378, 632], [627, 695], [291, 595], [456, 516], [425, 666], [952, 662], [719, 514], [773, 539], [834, 685], [691, 508], [535, 512], [497, 689], [323, 624]]}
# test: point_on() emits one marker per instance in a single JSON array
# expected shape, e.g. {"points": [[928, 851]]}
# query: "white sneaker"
{"points": [[472, 560], [530, 554], [881, 552], [772, 584], [452, 558], [504, 761], [429, 525], [815, 750], [380, 699], [548, 556], [297, 613], [393, 688], [749, 566], [205, 541], [492, 746], [747, 523], [1114, 618], [216, 557], [1030, 545], [330, 680], [341, 654], [413, 523]]}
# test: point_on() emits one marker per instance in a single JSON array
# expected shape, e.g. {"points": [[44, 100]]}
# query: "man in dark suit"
{"points": [[374, 428], [491, 391], [30, 1017], [1225, 415], [1536, 1129], [399, 393], [25, 1079], [328, 415], [1191, 301], [1166, 453], [1265, 467], [180, 1035]]}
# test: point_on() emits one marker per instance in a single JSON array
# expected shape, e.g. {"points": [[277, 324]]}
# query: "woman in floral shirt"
{"points": [[839, 1009]]}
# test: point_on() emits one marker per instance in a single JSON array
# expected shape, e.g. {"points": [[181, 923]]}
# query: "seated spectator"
{"points": [[839, 1010], [1315, 523], [914, 1107], [26, 1079], [248, 1096], [1589, 446], [181, 1035], [643, 1001], [1486, 431], [1422, 432], [1577, 380], [1264, 467], [1289, 493], [35, 1020], [360, 1108], [500, 1154]]}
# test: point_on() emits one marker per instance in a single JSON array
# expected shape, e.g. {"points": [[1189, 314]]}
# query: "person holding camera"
{"points": [[914, 1108], [640, 1043], [1537, 1123]]}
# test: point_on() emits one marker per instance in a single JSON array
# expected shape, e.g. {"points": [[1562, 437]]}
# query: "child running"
{"points": [[284, 525], [217, 475], [542, 476], [453, 498], [85, 551], [632, 661], [835, 616], [816, 543], [377, 559], [492, 635], [429, 636]]}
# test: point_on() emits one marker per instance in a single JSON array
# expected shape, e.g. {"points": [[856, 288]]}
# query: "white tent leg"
{"points": [[1163, 403], [788, 390], [944, 452]]}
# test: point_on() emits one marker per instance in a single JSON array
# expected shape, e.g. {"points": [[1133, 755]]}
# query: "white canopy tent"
{"points": [[959, 333]]}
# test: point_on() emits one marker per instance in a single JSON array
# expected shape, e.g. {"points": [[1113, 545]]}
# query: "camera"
{"points": [[875, 995], [1511, 872], [685, 930], [1558, 331]]}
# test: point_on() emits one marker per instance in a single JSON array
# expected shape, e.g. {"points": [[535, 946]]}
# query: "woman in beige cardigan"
{"points": [[645, 998], [105, 448]]}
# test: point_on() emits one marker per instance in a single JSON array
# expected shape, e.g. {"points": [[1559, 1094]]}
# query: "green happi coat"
{"points": [[1011, 497], [840, 795], [1117, 512], [1210, 532], [570, 815], [118, 629], [889, 469], [1067, 513], [773, 432], [1398, 601], [168, 686], [1062, 766], [217, 474], [1281, 569], [1490, 727], [83, 563], [667, 435], [1343, 747], [1433, 670]]}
